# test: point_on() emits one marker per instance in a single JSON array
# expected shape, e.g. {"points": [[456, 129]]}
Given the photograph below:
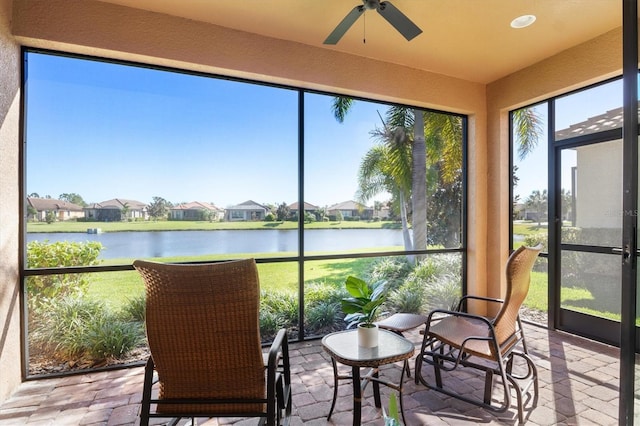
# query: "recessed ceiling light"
{"points": [[523, 21]]}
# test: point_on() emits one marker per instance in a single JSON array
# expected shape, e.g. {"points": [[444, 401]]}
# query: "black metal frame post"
{"points": [[630, 207]]}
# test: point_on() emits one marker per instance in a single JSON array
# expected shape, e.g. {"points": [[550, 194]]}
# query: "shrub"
{"points": [[269, 217], [134, 309], [282, 304], [317, 292], [75, 328], [53, 255], [394, 270], [533, 240], [50, 217], [323, 317], [407, 298], [270, 323], [434, 283], [107, 336], [443, 292]]}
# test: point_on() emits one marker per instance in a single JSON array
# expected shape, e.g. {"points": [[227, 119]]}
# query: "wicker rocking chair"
{"points": [[496, 346], [206, 356]]}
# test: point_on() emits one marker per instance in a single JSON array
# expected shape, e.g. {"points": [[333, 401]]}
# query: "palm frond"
{"points": [[527, 128], [340, 106]]}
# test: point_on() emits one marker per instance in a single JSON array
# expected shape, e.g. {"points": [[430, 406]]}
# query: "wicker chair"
{"points": [[496, 346], [206, 357]]}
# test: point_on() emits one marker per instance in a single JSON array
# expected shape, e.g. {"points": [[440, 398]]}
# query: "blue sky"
{"points": [[109, 131], [571, 109], [112, 131]]}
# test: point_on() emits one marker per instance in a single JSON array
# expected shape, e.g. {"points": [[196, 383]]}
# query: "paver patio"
{"points": [[578, 386]]}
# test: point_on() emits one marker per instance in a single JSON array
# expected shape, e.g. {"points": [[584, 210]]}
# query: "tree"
{"points": [[413, 127], [50, 217], [538, 202], [386, 167], [159, 208], [124, 213], [72, 198], [397, 134], [567, 206], [32, 213], [377, 208], [283, 212], [435, 141]]}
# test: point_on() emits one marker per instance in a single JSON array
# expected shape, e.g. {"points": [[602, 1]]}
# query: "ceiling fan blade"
{"points": [[399, 20], [344, 25]]}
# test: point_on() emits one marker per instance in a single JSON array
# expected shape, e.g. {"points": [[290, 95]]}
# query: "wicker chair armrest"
{"points": [[482, 298], [440, 314]]}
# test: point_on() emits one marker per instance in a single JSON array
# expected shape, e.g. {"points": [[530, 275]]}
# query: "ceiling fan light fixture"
{"points": [[523, 21]]}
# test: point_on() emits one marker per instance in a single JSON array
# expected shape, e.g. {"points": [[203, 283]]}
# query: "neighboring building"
{"points": [[351, 209], [384, 213], [196, 210], [115, 210], [63, 210], [595, 176], [308, 208], [249, 210]]}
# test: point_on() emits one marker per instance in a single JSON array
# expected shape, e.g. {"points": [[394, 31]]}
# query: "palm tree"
{"points": [[124, 212], [399, 137], [435, 149], [385, 168], [537, 201]]}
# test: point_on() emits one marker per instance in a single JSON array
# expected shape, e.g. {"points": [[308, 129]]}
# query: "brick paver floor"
{"points": [[578, 386]]}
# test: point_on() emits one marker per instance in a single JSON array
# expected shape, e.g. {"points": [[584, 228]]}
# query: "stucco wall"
{"points": [[10, 374]]}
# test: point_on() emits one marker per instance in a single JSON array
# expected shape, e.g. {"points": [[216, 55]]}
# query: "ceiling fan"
{"points": [[388, 11]]}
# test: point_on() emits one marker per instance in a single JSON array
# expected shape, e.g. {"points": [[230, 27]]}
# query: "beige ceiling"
{"points": [[468, 39]]}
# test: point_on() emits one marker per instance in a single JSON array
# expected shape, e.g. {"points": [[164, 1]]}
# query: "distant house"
{"points": [[384, 213], [249, 210], [350, 209], [115, 210], [196, 210], [63, 210], [308, 208]]}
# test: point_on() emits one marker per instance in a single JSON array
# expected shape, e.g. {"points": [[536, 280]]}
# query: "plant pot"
{"points": [[367, 335]]}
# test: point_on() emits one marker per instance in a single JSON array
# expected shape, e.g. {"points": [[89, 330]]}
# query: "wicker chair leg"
{"points": [[146, 393]]}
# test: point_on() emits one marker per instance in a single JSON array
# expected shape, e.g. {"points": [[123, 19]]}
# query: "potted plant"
{"points": [[362, 308]]}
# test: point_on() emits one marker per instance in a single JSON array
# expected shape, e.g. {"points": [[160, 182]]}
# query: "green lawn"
{"points": [[116, 288], [70, 226], [527, 228]]}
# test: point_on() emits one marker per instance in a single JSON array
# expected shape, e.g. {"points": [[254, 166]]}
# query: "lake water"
{"points": [[190, 243]]}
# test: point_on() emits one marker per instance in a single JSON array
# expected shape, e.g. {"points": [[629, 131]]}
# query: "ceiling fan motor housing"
{"points": [[371, 4]]}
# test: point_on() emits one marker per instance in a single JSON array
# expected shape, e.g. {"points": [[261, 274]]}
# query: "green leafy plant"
{"points": [[73, 328], [392, 418], [134, 309], [322, 317], [54, 255], [365, 300]]}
